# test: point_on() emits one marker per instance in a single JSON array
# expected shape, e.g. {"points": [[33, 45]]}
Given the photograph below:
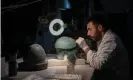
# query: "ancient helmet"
{"points": [[66, 46], [35, 59], [36, 54]]}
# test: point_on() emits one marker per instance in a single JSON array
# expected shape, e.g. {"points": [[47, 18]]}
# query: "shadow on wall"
{"points": [[122, 24], [44, 37]]}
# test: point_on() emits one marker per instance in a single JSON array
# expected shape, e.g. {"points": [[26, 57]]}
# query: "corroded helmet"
{"points": [[66, 46], [36, 54], [35, 59]]}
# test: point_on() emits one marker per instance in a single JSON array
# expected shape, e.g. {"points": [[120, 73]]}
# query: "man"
{"points": [[110, 61]]}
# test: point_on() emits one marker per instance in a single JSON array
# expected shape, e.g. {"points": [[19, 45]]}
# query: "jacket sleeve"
{"points": [[97, 59]]}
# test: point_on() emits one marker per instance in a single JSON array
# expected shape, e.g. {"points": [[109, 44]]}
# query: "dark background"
{"points": [[21, 22]]}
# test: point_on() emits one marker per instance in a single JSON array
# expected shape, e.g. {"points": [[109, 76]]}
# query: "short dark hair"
{"points": [[100, 18]]}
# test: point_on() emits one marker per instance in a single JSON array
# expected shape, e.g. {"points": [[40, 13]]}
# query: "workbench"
{"points": [[84, 70]]}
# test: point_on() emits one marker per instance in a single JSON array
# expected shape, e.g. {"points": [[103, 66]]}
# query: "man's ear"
{"points": [[100, 28]]}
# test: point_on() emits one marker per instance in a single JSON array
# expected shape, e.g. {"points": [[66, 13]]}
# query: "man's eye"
{"points": [[89, 29]]}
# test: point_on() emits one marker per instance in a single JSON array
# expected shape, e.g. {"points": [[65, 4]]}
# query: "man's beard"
{"points": [[92, 38], [96, 38]]}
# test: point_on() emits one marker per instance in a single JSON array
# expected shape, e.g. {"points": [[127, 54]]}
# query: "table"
{"points": [[85, 70]]}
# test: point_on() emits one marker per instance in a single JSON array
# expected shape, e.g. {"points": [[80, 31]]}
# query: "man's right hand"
{"points": [[82, 44]]}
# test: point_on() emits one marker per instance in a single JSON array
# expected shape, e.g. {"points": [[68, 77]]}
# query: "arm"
{"points": [[97, 59]]}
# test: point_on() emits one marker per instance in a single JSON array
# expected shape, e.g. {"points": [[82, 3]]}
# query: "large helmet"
{"points": [[66, 46], [36, 54], [35, 59]]}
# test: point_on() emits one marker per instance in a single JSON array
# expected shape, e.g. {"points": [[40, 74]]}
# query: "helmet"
{"points": [[36, 54], [35, 59], [66, 46]]}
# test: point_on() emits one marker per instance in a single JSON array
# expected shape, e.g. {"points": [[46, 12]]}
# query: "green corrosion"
{"points": [[66, 46]]}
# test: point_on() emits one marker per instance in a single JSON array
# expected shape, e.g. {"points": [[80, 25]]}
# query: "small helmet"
{"points": [[66, 46]]}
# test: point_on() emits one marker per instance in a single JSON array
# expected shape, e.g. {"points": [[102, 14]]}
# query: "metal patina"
{"points": [[66, 46]]}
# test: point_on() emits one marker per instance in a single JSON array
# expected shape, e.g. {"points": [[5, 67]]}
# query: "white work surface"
{"points": [[85, 70]]}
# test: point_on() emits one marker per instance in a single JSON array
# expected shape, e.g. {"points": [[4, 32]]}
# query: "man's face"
{"points": [[93, 32]]}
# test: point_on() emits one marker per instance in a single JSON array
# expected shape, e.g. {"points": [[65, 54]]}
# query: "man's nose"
{"points": [[88, 33]]}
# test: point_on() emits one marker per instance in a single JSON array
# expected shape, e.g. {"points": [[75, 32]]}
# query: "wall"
{"points": [[116, 6]]}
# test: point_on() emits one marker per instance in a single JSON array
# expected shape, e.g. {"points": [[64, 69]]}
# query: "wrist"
{"points": [[86, 49]]}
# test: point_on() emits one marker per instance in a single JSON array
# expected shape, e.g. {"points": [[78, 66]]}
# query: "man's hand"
{"points": [[82, 44]]}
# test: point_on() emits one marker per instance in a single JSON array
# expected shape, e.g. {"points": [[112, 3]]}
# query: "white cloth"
{"points": [[110, 54]]}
